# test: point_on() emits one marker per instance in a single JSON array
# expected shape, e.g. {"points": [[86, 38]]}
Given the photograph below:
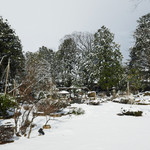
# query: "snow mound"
{"points": [[142, 98]]}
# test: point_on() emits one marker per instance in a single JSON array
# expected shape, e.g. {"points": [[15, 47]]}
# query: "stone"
{"points": [[46, 127]]}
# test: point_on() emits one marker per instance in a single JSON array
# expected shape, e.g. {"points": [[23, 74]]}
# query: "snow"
{"points": [[131, 109], [142, 99], [137, 99], [100, 128], [63, 92]]}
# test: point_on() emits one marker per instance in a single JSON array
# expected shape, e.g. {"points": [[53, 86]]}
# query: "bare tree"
{"points": [[83, 40], [36, 79]]}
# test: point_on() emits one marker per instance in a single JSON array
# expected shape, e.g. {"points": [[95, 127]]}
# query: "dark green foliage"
{"points": [[10, 47], [140, 52], [6, 103], [134, 78], [107, 59]]}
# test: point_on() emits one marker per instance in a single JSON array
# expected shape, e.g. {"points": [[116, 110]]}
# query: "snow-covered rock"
{"points": [[131, 111]]}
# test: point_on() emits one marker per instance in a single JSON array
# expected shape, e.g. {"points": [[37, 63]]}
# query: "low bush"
{"points": [[7, 103], [77, 111], [94, 102]]}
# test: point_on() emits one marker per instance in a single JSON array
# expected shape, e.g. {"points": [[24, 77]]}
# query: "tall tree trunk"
{"points": [[8, 67]]}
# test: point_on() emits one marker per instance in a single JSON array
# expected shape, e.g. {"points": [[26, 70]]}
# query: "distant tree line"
{"points": [[82, 59]]}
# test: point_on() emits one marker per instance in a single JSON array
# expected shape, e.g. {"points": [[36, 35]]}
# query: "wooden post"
{"points": [[7, 73], [114, 92]]}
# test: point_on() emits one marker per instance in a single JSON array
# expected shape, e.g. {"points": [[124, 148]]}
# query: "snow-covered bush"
{"points": [[131, 111], [126, 99], [76, 111], [48, 106], [94, 102], [142, 98]]}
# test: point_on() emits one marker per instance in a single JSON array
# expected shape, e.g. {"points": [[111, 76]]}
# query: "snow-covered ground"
{"points": [[100, 128]]}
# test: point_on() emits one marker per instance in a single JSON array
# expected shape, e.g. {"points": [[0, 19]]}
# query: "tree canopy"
{"points": [[140, 52], [10, 48], [107, 59]]}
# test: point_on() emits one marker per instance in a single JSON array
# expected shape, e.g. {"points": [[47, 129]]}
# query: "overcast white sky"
{"points": [[44, 22]]}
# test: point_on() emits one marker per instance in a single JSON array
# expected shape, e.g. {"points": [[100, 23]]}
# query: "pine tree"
{"points": [[48, 56], [67, 60], [84, 43], [107, 59], [10, 48], [140, 52]]}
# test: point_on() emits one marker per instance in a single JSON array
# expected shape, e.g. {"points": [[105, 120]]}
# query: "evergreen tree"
{"points": [[10, 48], [87, 71], [140, 52], [107, 59], [48, 56], [67, 60], [84, 43]]}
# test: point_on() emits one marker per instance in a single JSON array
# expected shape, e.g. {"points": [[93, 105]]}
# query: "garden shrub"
{"points": [[7, 103], [77, 111]]}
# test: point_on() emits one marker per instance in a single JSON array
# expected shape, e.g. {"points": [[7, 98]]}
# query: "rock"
{"points": [[130, 112], [133, 113], [6, 134], [92, 95], [147, 93], [124, 101], [55, 115], [94, 102], [46, 127]]}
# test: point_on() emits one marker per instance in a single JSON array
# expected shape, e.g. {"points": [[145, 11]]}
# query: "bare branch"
{"points": [[2, 59]]}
